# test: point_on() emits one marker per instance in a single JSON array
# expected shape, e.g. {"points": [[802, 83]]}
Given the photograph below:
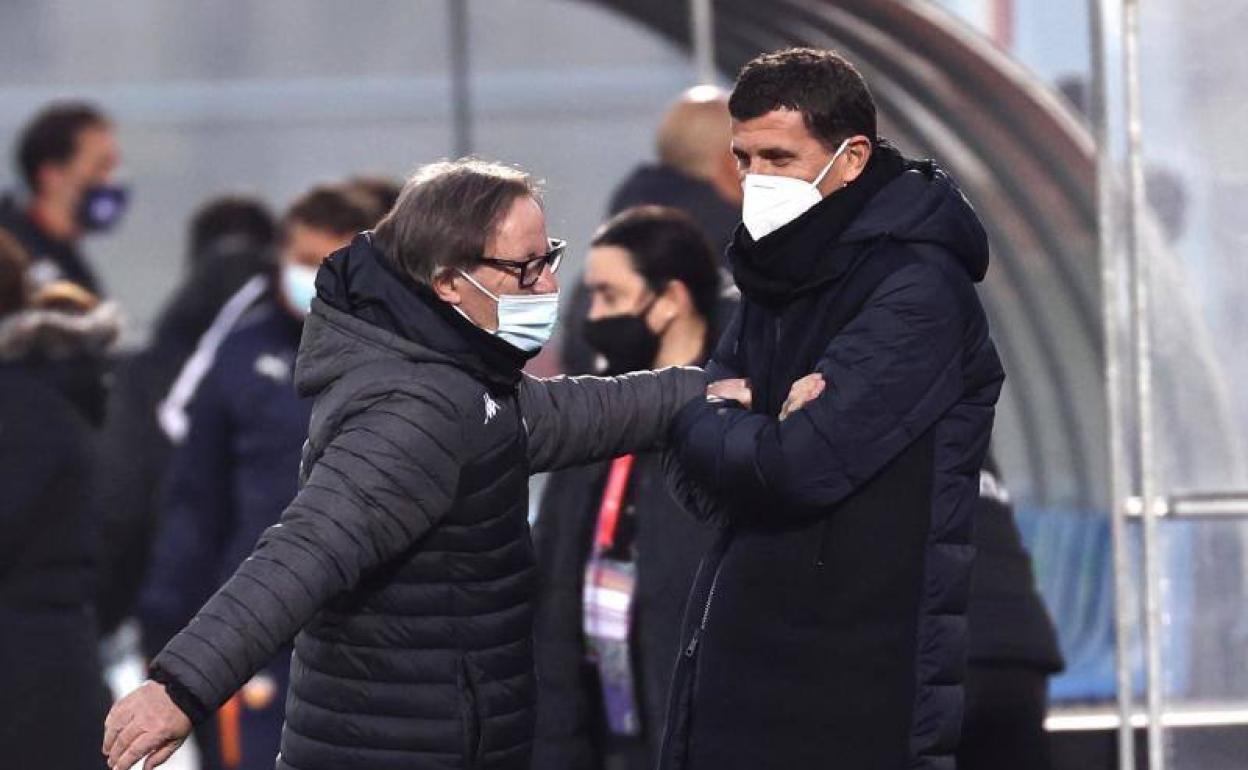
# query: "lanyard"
{"points": [[612, 499]]}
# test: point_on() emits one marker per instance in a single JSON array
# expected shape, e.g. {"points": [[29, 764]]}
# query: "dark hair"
{"points": [[14, 262], [446, 213], [383, 190], [52, 137], [665, 244], [822, 85], [233, 222], [338, 209]]}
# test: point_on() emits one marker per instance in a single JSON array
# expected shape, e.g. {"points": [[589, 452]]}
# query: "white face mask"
{"points": [[771, 202], [525, 321], [299, 287]]}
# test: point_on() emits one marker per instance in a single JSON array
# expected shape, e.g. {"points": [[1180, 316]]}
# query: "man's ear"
{"points": [[856, 156], [446, 286], [676, 300], [727, 179], [48, 178]]}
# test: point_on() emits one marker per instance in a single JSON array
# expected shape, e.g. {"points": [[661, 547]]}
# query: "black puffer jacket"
{"points": [[406, 558], [1009, 624]]}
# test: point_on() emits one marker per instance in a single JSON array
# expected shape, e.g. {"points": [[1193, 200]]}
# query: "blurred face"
{"points": [[520, 236], [304, 248], [309, 246], [779, 144], [615, 288], [628, 324], [93, 163]]}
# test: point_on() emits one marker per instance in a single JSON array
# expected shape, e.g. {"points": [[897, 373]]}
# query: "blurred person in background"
{"points": [[383, 190], [403, 569], [1013, 644], [695, 173], [67, 157], [53, 344], [229, 243], [236, 468], [654, 287]]}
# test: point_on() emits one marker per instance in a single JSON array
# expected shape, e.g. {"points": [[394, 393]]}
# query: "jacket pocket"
{"points": [[470, 714]]}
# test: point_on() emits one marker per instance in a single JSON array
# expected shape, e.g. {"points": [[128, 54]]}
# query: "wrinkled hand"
{"points": [[731, 390], [802, 393], [145, 723]]}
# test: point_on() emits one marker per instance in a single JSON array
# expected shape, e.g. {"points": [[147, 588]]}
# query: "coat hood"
{"points": [[924, 205], [57, 335], [365, 311]]}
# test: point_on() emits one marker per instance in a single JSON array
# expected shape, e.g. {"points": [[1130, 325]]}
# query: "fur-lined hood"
{"points": [[57, 334]]}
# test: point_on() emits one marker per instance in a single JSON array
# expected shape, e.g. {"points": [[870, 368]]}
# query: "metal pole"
{"points": [[1143, 388], [461, 88], [702, 33], [1119, 469]]}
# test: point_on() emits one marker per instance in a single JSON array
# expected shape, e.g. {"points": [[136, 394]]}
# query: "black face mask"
{"points": [[625, 343]]}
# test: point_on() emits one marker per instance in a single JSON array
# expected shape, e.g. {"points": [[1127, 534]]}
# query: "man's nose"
{"points": [[547, 283]]}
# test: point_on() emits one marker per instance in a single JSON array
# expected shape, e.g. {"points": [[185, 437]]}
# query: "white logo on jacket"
{"points": [[491, 408], [274, 367]]}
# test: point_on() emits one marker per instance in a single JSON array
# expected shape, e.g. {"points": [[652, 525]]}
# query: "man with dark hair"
{"points": [[337, 208], [403, 569], [383, 190], [827, 625], [67, 156], [228, 223], [319, 222]]}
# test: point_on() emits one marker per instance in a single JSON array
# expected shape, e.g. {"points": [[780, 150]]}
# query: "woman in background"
{"points": [[603, 672]]}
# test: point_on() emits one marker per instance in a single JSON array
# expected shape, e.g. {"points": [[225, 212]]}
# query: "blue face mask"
{"points": [[102, 207], [525, 321], [299, 287]]}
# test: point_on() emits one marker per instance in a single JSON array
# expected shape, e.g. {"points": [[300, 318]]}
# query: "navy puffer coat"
{"points": [[827, 627]]}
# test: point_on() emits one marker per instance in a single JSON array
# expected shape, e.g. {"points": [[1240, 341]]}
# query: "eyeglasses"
{"points": [[530, 270]]}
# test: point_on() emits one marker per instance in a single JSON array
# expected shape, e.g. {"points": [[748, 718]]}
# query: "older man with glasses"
{"points": [[404, 567]]}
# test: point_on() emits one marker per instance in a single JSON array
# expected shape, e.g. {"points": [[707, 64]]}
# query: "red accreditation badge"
{"points": [[607, 603]]}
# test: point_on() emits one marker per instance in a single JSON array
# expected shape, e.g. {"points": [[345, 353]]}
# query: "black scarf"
{"points": [[771, 270]]}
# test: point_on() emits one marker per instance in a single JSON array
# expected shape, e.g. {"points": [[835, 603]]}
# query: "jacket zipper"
{"points": [[823, 541], [476, 735], [706, 613]]}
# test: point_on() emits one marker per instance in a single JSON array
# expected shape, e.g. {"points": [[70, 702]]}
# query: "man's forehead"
{"points": [[781, 123], [523, 226], [97, 139]]}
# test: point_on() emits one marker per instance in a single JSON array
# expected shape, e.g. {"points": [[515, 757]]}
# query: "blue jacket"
{"points": [[827, 627], [230, 479]]}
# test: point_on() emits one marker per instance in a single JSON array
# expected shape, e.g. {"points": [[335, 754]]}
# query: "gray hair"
{"points": [[446, 213]]}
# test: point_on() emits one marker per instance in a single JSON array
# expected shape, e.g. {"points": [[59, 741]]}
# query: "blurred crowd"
{"points": [[135, 483]]}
